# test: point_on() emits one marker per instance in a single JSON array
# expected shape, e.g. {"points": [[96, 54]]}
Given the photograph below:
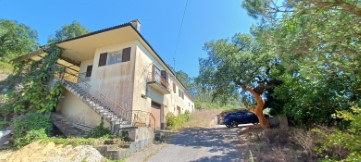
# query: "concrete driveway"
{"points": [[198, 144]]}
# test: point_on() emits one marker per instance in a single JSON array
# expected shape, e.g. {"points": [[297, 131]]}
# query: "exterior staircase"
{"points": [[101, 107]]}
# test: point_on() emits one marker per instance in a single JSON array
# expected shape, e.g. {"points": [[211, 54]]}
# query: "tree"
{"points": [[318, 46], [68, 31], [16, 39], [184, 79], [239, 64]]}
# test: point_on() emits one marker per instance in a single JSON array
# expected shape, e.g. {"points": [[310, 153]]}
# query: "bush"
{"points": [[30, 136], [171, 119], [30, 127], [343, 145], [31, 121], [99, 131], [175, 122]]}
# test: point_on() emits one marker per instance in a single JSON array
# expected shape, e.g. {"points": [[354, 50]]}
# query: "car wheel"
{"points": [[234, 124]]}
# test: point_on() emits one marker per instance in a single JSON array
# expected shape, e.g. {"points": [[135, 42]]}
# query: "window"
{"points": [[114, 57], [156, 105], [89, 71], [181, 94], [174, 88]]}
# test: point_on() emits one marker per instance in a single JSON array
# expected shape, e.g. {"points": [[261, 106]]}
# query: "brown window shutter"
{"points": [[174, 88], [153, 72], [89, 71], [102, 59], [126, 54]]}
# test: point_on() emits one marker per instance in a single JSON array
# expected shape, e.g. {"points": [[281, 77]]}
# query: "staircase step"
{"points": [[97, 104]]}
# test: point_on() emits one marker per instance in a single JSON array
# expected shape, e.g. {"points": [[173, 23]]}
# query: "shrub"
{"points": [[99, 131], [30, 136], [175, 122], [343, 145], [30, 127], [171, 119]]}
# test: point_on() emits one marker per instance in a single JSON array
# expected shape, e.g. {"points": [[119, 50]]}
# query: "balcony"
{"points": [[158, 81]]}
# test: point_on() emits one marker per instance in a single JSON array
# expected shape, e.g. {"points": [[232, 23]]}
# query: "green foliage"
{"points": [[184, 79], [317, 53], [99, 131], [68, 31], [30, 127], [16, 39], [175, 122], [36, 93], [79, 141], [343, 145], [171, 119], [31, 121], [32, 135]]}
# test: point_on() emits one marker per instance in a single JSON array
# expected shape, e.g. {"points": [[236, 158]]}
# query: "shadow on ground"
{"points": [[223, 142]]}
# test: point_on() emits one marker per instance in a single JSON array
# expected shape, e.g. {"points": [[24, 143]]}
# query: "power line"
{"points": [[180, 30]]}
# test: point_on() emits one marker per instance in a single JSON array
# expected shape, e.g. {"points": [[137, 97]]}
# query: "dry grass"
{"points": [[202, 119], [277, 145]]}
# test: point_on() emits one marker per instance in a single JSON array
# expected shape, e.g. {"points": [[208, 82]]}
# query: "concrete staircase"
{"points": [[100, 106]]}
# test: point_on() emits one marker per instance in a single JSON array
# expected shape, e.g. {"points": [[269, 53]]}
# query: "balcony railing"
{"points": [[158, 82]]}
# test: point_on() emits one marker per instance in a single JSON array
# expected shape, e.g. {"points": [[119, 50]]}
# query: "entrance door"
{"points": [[156, 113]]}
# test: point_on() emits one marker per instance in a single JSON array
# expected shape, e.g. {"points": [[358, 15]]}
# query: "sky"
{"points": [[204, 20]]}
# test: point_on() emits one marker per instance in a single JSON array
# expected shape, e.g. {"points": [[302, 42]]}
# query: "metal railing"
{"points": [[152, 77], [133, 116]]}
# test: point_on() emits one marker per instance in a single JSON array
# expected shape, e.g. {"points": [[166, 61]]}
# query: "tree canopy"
{"points": [[16, 39], [68, 31], [303, 57]]}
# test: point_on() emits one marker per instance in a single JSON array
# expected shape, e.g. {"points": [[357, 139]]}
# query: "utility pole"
{"points": [[174, 65]]}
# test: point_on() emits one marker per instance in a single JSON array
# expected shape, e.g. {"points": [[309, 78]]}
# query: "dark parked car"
{"points": [[232, 119]]}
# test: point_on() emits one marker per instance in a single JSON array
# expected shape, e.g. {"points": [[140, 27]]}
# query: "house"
{"points": [[114, 74]]}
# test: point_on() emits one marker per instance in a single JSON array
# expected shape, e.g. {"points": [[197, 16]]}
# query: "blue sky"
{"points": [[205, 20]]}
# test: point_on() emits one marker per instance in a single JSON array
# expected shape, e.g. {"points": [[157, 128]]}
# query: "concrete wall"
{"points": [[114, 81], [78, 112], [144, 62]]}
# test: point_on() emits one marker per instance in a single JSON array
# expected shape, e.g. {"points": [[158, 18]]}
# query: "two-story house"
{"points": [[115, 74]]}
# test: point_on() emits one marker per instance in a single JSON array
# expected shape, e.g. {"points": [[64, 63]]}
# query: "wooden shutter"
{"points": [[102, 59], [89, 71], [174, 88], [126, 54]]}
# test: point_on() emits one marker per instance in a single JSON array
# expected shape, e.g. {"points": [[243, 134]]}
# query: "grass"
{"points": [[80, 141], [6, 67]]}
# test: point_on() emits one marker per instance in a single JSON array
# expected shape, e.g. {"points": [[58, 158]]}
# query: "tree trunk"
{"points": [[258, 110]]}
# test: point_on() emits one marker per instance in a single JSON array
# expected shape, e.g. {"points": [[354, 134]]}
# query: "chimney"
{"points": [[136, 24]]}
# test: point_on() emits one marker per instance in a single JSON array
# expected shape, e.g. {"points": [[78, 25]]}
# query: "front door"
{"points": [[156, 113]]}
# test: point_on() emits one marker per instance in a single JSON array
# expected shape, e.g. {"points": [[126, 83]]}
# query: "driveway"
{"points": [[198, 144]]}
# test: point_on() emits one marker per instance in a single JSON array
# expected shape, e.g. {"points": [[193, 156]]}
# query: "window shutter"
{"points": [[174, 88], [102, 59], [126, 54], [89, 71]]}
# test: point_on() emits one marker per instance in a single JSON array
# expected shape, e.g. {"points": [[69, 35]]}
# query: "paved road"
{"points": [[201, 145]]}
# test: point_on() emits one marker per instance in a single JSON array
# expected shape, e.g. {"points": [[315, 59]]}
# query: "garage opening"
{"points": [[155, 110]]}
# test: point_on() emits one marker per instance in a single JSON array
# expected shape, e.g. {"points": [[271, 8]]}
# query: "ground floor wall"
{"points": [[77, 111]]}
